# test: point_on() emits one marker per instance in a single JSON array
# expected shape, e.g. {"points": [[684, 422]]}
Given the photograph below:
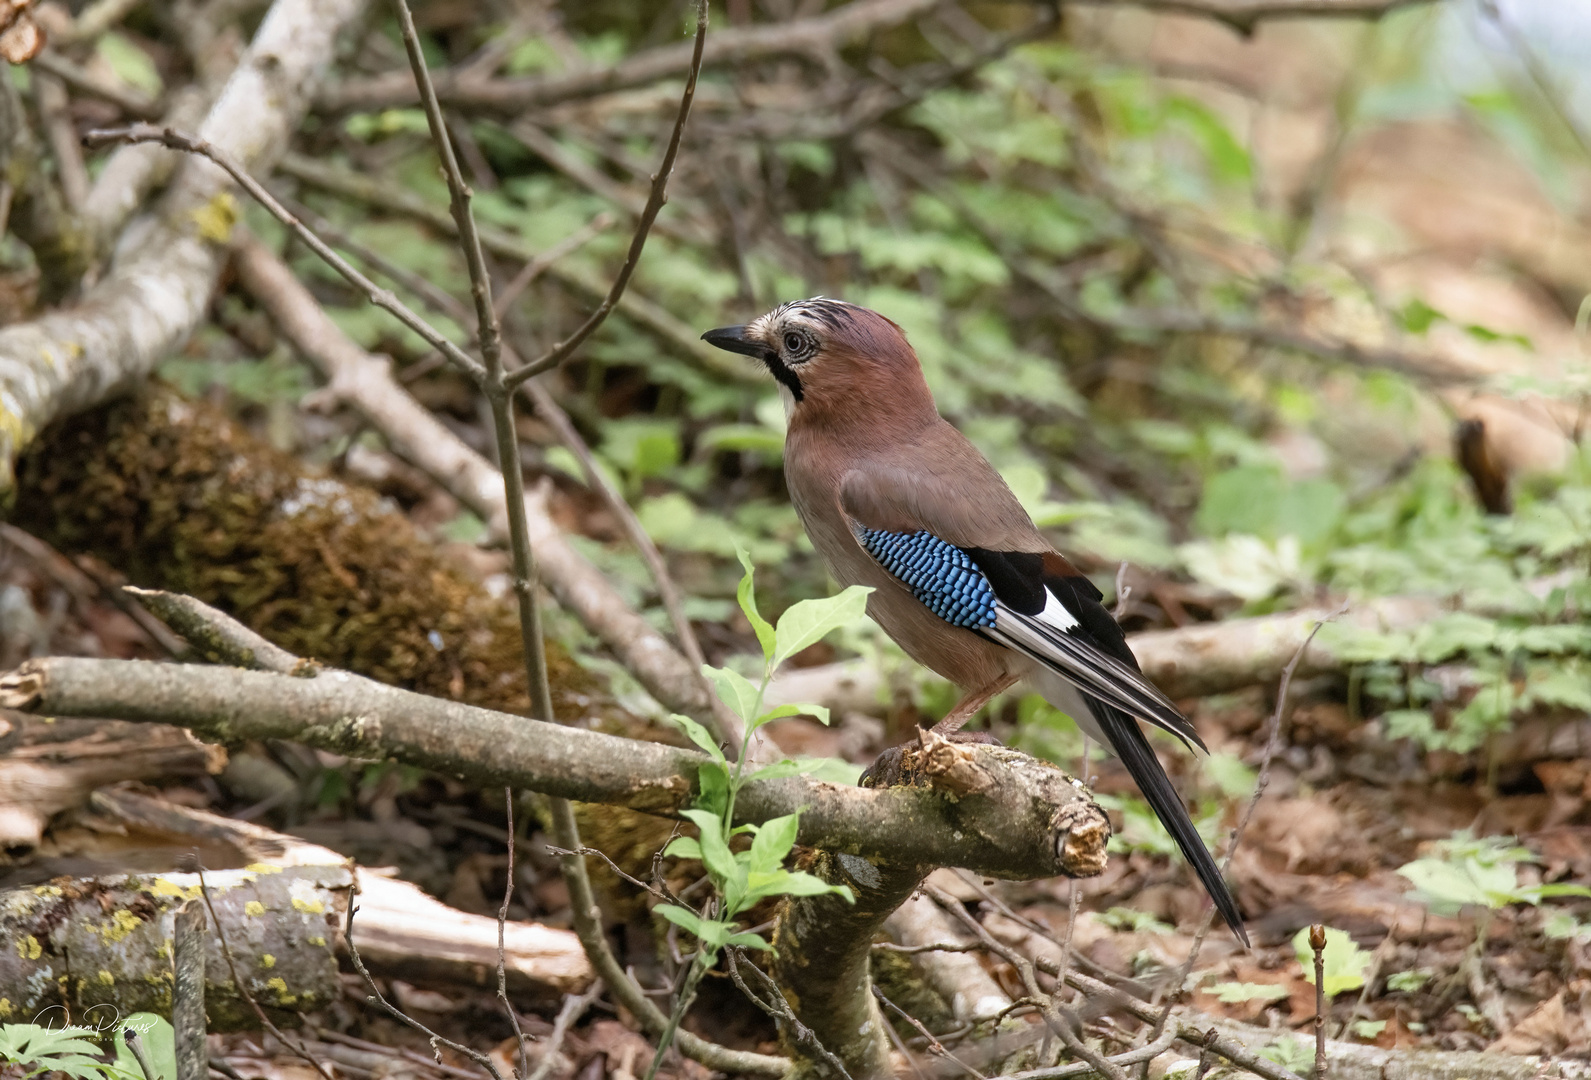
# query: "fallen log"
{"points": [[280, 902]]}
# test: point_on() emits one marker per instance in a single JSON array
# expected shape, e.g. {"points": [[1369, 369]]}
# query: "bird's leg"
{"points": [[971, 702]]}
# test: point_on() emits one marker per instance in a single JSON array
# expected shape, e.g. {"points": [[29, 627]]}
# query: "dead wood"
{"points": [[47, 766], [289, 942]]}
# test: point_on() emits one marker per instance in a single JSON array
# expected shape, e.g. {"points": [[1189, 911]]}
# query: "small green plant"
{"points": [[743, 878], [1235, 993], [1408, 982], [1369, 1029], [1345, 962], [36, 1049], [1469, 870], [1122, 918]]}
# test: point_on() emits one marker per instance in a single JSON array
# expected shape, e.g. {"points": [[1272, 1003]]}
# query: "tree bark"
{"points": [[153, 298]]}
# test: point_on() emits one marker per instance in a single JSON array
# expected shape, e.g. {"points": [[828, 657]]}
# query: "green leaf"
{"points": [[712, 781], [1408, 982], [775, 838], [129, 63], [818, 712], [734, 690], [1233, 993], [747, 940], [699, 735], [684, 918], [53, 1050], [809, 621], [684, 847], [778, 770], [1369, 1029], [715, 851], [1345, 962], [748, 604]]}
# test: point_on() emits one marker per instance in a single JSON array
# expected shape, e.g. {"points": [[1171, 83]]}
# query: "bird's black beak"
{"points": [[734, 339]]}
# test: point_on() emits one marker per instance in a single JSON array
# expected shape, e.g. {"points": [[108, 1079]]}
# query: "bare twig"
{"points": [[935, 1047], [133, 102], [1272, 738], [502, 956], [382, 298], [654, 203], [551, 412], [392, 1010], [214, 634], [574, 1006], [538, 266], [771, 1000], [54, 112], [187, 993], [135, 1043], [1317, 943]]}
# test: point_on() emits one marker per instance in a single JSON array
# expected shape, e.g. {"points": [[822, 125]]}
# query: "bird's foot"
{"points": [[886, 770]]}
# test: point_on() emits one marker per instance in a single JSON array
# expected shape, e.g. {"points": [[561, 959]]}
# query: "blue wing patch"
{"points": [[939, 574]]}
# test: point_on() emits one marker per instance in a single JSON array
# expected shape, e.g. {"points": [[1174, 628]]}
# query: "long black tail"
{"points": [[1128, 741]]}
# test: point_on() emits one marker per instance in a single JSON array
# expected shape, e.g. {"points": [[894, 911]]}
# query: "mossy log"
{"points": [[176, 496], [105, 942]]}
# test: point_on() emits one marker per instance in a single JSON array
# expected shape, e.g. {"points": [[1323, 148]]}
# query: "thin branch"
{"points": [[392, 1010], [771, 1000], [502, 954], [382, 298], [134, 103], [1272, 739], [487, 331], [547, 407], [214, 635], [574, 1007], [935, 1047], [818, 37], [654, 203], [535, 268]]}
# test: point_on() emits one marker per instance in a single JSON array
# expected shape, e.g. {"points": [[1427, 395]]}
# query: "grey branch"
{"points": [[1005, 831], [816, 37]]}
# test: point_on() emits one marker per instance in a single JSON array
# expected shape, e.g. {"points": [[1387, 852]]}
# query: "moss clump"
{"points": [[176, 496]]}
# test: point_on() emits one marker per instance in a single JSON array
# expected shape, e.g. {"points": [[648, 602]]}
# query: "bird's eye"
{"points": [[793, 343], [799, 345]]}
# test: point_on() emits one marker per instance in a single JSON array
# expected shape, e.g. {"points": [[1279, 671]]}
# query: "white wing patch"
{"points": [[1047, 638]]}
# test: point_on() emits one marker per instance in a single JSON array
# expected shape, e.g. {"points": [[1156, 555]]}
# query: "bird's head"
{"points": [[830, 356]]}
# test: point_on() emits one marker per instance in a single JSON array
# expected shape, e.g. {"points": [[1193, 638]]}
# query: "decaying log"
{"points": [[174, 495], [47, 766], [79, 943], [288, 944]]}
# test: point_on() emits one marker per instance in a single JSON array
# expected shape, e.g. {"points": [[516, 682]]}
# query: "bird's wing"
{"points": [[961, 567], [1038, 604]]}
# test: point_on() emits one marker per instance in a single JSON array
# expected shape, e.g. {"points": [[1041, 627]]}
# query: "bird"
{"points": [[894, 497]]}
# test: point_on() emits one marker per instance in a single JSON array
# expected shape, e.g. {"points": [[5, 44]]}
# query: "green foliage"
{"points": [[1484, 871], [1408, 982], [1123, 918], [1345, 963], [1234, 993], [36, 1049], [743, 878]]}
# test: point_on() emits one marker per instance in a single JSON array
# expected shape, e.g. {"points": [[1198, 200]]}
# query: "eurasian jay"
{"points": [[896, 498]]}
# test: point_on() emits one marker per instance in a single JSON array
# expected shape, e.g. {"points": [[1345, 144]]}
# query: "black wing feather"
{"points": [[1128, 740]]}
